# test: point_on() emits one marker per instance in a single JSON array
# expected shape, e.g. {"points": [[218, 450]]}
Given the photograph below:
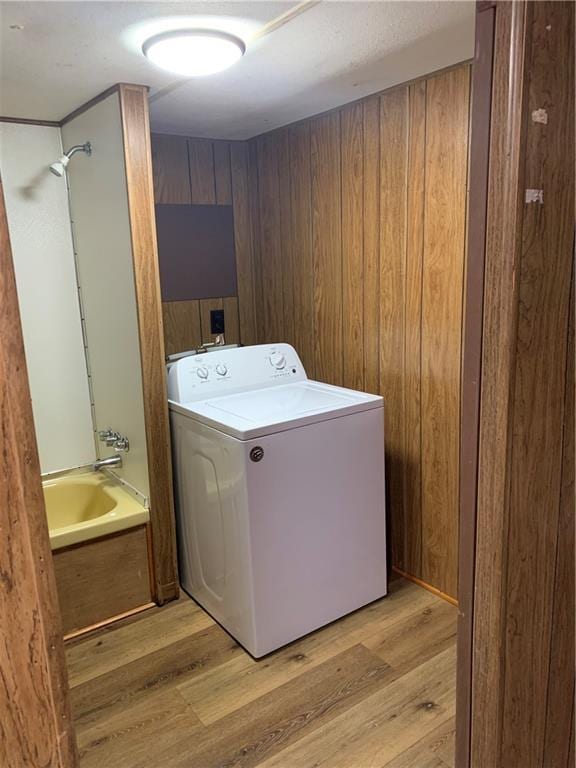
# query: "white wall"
{"points": [[38, 220], [99, 208]]}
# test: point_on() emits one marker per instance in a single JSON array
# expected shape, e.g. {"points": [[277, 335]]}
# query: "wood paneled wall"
{"points": [[204, 172], [359, 219], [522, 664], [350, 242]]}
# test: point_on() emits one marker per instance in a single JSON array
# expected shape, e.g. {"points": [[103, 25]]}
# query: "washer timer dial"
{"points": [[202, 372], [278, 360], [221, 369]]}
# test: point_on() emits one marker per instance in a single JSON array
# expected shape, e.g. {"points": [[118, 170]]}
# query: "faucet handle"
{"points": [[111, 437], [121, 444], [108, 436]]}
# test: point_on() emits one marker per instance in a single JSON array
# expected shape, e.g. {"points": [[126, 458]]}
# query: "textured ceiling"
{"points": [[333, 53]]}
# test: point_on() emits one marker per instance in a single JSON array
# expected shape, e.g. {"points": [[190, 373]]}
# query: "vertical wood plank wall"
{"points": [[350, 241], [523, 667], [201, 171], [359, 218]]}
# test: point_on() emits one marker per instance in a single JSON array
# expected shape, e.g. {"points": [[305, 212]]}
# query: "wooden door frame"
{"points": [[495, 210], [134, 98], [37, 727], [136, 162], [500, 124], [480, 119], [487, 377]]}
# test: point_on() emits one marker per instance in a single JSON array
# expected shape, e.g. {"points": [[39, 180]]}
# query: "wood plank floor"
{"points": [[170, 689]]}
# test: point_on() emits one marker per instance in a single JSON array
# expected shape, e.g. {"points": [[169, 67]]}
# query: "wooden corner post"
{"points": [[35, 724], [138, 158]]}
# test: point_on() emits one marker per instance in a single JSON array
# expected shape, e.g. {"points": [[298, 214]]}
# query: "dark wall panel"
{"points": [[196, 251]]}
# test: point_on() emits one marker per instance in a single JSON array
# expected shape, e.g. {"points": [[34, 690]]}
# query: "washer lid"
{"points": [[259, 412]]}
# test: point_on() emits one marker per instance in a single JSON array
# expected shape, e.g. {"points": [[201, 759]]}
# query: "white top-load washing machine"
{"points": [[279, 486]]}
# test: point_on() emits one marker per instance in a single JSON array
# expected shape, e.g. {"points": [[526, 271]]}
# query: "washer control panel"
{"points": [[216, 373], [278, 360]]}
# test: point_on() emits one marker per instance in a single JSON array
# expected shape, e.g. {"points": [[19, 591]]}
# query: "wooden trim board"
{"points": [[117, 87], [425, 585], [499, 329], [138, 159], [107, 622], [29, 121], [35, 711], [471, 365]]}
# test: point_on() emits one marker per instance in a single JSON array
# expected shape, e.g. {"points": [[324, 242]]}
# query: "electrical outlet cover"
{"points": [[217, 321]]}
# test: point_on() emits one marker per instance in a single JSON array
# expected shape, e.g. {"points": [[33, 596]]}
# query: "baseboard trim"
{"points": [[111, 620], [425, 585]]}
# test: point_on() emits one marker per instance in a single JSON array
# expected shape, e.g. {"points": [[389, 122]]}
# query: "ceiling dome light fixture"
{"points": [[194, 52]]}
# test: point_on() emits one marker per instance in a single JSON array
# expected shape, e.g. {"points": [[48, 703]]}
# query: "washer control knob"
{"points": [[202, 372], [221, 369], [278, 360]]}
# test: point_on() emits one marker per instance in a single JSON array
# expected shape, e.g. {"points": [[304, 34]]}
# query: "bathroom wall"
{"points": [[101, 225], [204, 172], [38, 219], [359, 220]]}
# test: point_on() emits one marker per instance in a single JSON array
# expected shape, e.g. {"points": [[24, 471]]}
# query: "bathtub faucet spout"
{"points": [[111, 461]]}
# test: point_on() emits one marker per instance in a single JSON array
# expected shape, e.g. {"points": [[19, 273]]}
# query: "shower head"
{"points": [[59, 166]]}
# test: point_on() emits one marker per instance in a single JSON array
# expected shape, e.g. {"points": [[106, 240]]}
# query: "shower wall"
{"points": [[43, 220], [39, 224], [103, 242]]}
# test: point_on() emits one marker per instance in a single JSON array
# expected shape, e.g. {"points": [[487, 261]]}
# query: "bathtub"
{"points": [[88, 506]]}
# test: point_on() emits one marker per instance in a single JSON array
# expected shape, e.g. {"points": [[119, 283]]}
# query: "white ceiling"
{"points": [[333, 53]]}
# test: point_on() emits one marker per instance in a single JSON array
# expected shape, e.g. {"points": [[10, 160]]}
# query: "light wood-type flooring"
{"points": [[170, 689]]}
